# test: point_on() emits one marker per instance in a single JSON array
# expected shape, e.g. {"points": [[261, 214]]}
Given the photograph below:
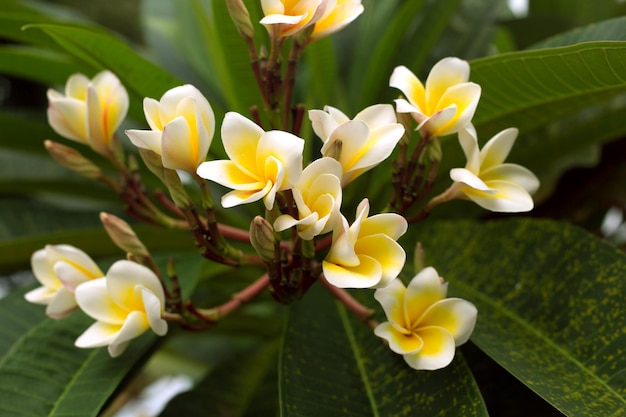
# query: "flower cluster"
{"points": [[301, 200], [125, 302]]}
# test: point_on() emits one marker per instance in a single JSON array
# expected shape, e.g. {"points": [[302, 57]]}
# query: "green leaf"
{"points": [[609, 30], [528, 89], [550, 301], [27, 63], [333, 365], [102, 50], [43, 374]]}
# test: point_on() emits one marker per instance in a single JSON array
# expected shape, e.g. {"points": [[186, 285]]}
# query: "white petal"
{"points": [[228, 174], [70, 275], [237, 197], [467, 177], [154, 308], [513, 173], [412, 88], [498, 148], [240, 137], [285, 147], [424, 290], [274, 19], [509, 198], [62, 304], [456, 315], [146, 139], [43, 271], [180, 146], [40, 295], [469, 143], [76, 86], [402, 343], [151, 109], [98, 334], [323, 124], [438, 350], [67, 117], [136, 323], [390, 224], [436, 125], [94, 299], [447, 73], [97, 129], [391, 298], [386, 251], [366, 274], [465, 98], [124, 276]]}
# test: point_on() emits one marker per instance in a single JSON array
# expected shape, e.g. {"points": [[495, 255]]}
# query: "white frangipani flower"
{"points": [[126, 302], [261, 163], [182, 124], [287, 17], [448, 101], [366, 141], [90, 110], [366, 254], [60, 269], [424, 326], [487, 180], [318, 199]]}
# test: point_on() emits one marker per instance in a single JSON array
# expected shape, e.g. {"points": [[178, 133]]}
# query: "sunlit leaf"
{"points": [[550, 301]]}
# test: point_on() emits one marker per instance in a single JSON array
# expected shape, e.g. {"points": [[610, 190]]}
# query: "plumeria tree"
{"points": [[313, 207]]}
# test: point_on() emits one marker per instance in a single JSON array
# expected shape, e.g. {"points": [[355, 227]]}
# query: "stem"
{"points": [[239, 299], [359, 310], [290, 77]]}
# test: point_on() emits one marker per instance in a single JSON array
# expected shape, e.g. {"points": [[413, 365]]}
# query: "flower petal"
{"points": [[237, 197], [366, 274], [470, 179], [498, 148], [445, 74], [390, 224], [508, 198], [98, 334], [43, 271], [153, 307], [240, 137], [438, 350], [67, 117], [465, 98], [146, 139], [513, 173], [391, 298], [62, 304], [179, 146], [323, 124], [228, 174], [122, 278], [386, 251], [424, 290], [402, 343], [377, 115], [456, 315], [404, 80], [286, 148], [93, 298], [136, 324]]}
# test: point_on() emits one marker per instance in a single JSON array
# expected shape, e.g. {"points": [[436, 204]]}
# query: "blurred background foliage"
{"points": [[571, 136]]}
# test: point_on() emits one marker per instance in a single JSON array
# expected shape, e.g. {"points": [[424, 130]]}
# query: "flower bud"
{"points": [[123, 235], [262, 238], [241, 17], [72, 159], [90, 110]]}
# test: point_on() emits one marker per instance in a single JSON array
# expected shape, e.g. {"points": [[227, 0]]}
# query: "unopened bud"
{"points": [[123, 235], [419, 258], [262, 238], [241, 17], [72, 159], [432, 152]]}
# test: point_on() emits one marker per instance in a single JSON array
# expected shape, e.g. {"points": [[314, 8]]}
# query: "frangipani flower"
{"points": [[447, 103], [125, 303], [90, 110], [60, 269], [366, 254], [286, 17], [182, 124], [366, 141], [338, 14], [424, 326], [318, 198], [261, 163], [487, 180]]}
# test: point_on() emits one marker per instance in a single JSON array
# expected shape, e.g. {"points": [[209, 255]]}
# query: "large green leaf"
{"points": [[43, 374], [102, 50], [531, 88], [550, 301], [611, 29], [333, 365]]}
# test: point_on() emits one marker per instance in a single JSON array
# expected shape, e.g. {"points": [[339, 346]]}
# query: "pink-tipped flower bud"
{"points": [[262, 238], [72, 159], [123, 235]]}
